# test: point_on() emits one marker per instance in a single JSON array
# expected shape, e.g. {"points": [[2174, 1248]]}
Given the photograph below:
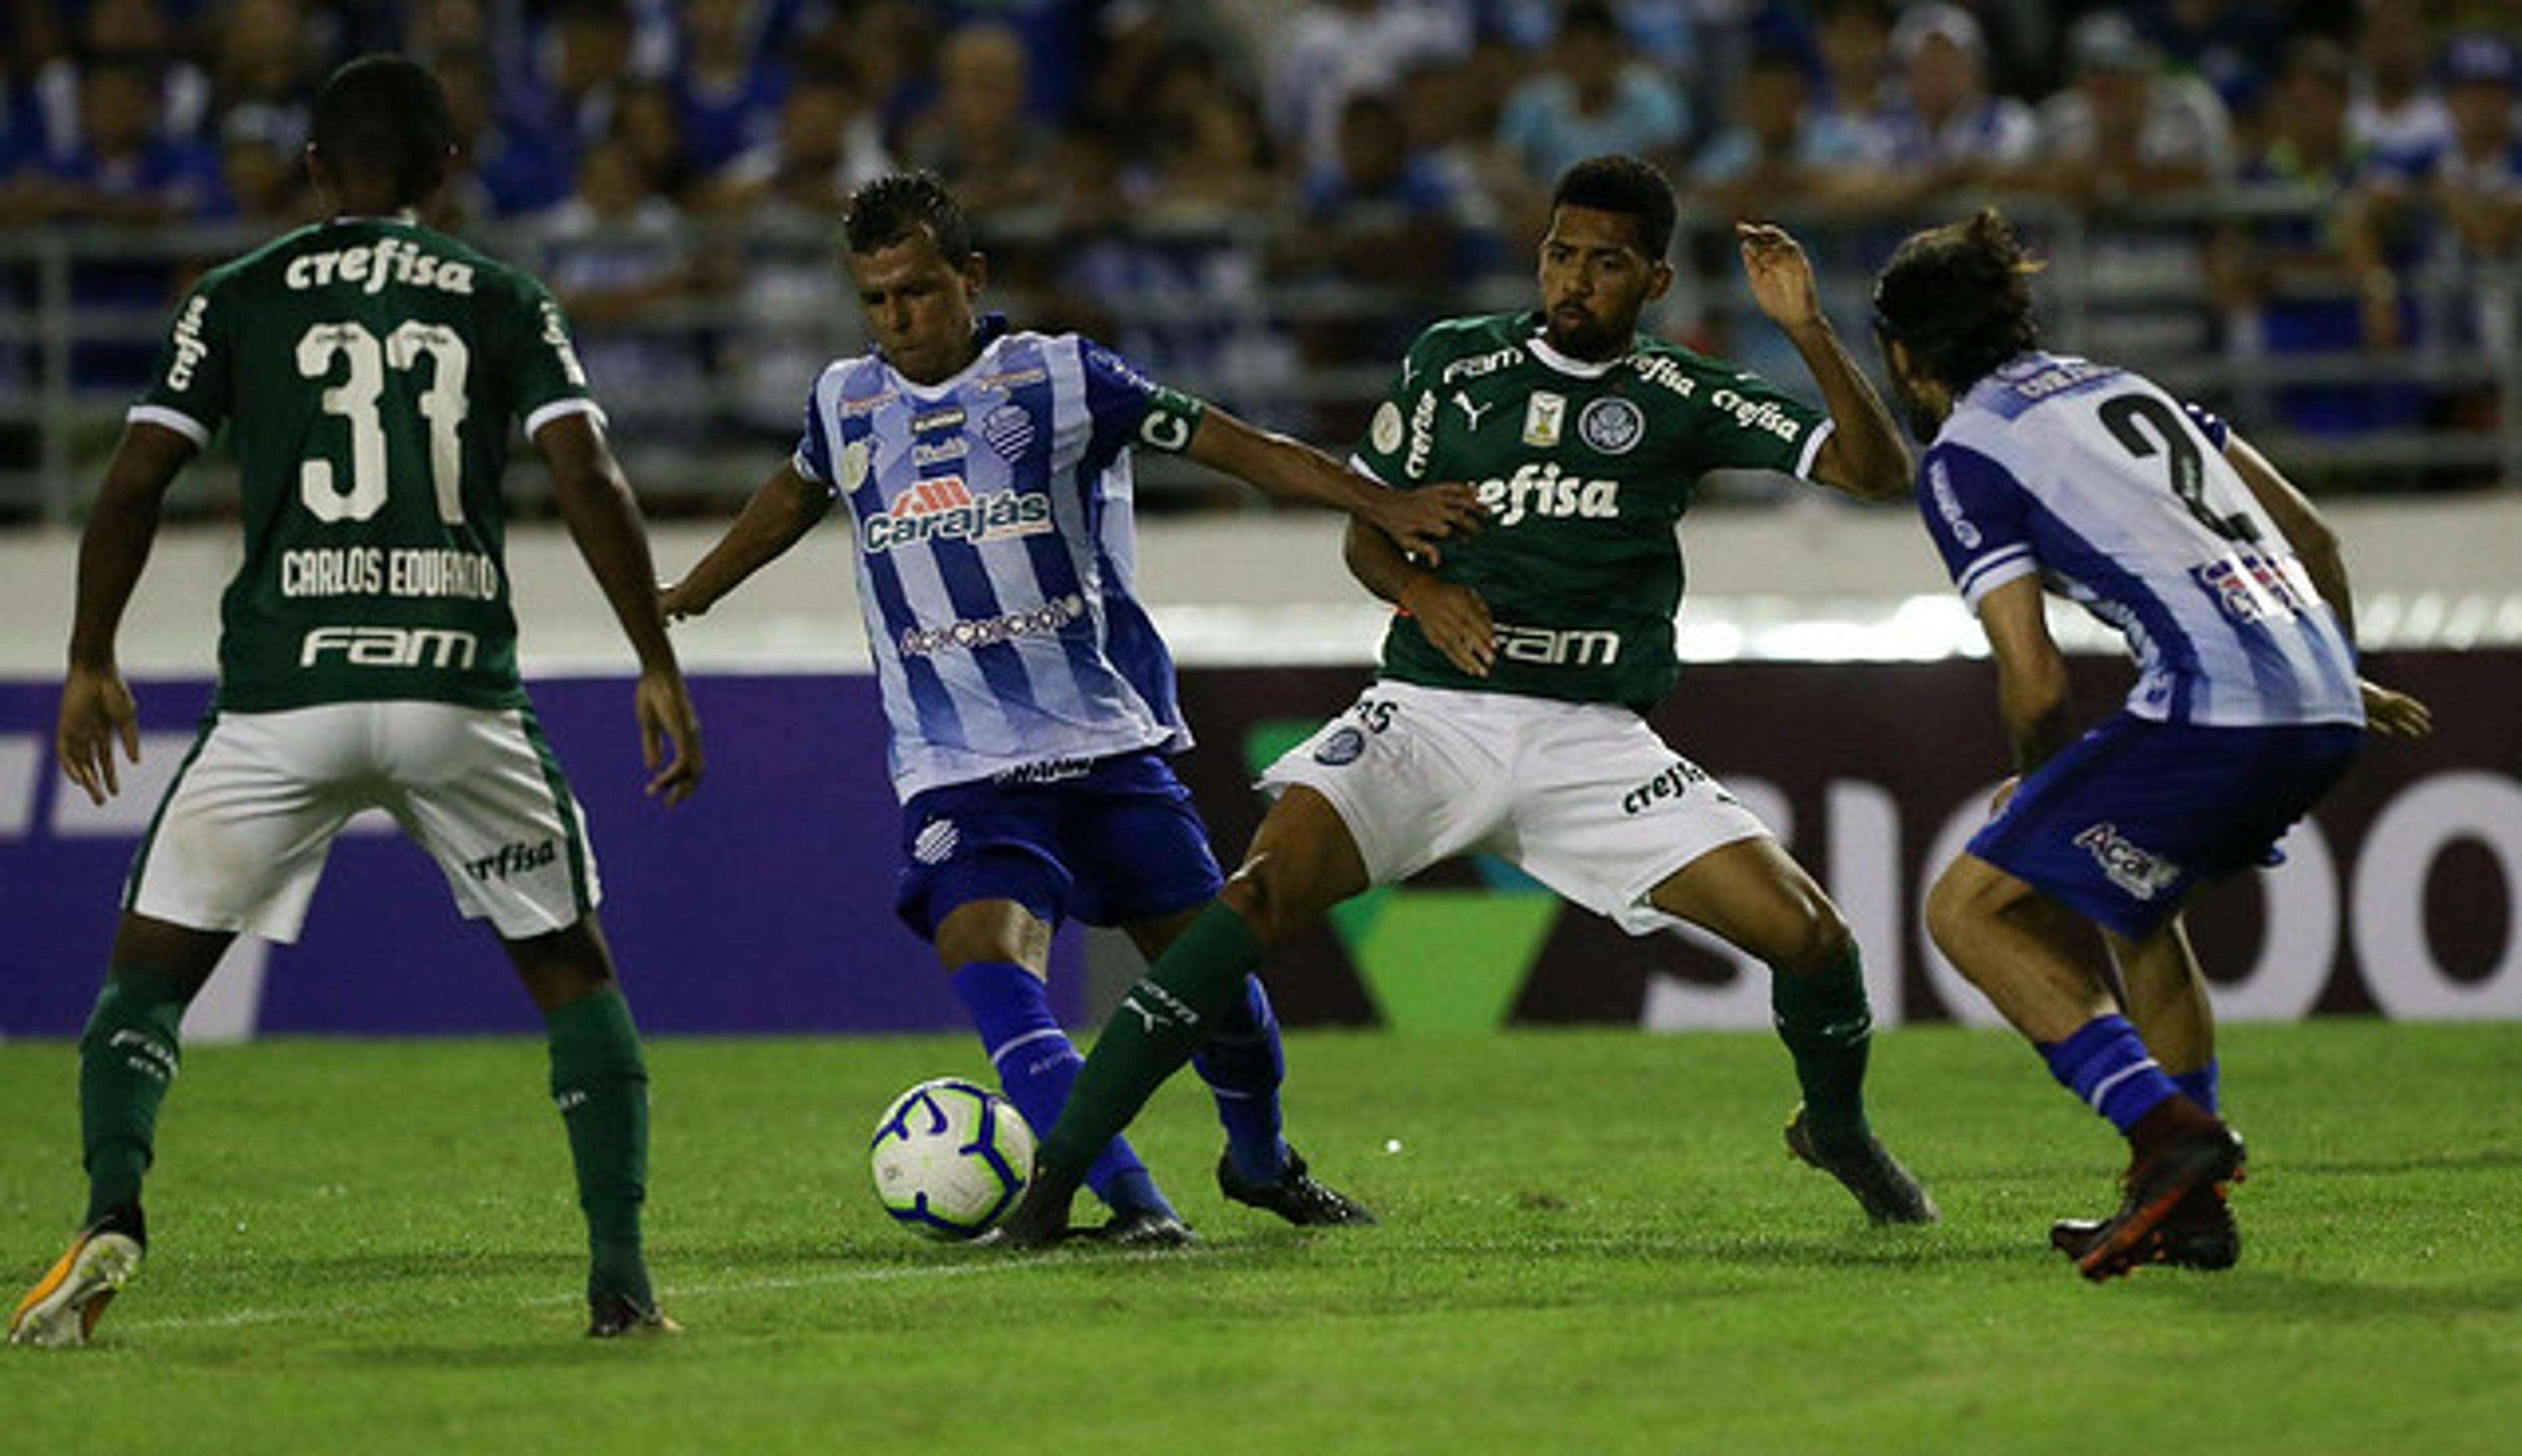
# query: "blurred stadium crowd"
{"points": [[2305, 213]]}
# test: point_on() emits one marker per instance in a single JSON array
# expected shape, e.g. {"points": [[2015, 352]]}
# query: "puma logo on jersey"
{"points": [[1541, 491], [1471, 411]]}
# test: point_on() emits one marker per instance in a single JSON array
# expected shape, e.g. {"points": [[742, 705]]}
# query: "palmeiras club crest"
{"points": [[1612, 425]]}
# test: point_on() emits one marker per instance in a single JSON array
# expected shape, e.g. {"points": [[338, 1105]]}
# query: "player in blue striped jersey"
{"points": [[2049, 471], [985, 473]]}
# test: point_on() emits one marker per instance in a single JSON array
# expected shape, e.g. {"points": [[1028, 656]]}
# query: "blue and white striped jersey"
{"points": [[996, 549], [2121, 499]]}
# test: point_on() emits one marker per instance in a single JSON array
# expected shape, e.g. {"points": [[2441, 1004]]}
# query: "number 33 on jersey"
{"points": [[384, 362]]}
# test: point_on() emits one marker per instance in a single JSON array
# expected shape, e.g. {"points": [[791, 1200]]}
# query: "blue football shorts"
{"points": [[2123, 823], [1109, 842]]}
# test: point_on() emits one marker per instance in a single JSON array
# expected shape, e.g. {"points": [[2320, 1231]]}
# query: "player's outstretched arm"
{"points": [[782, 511], [1864, 455], [1453, 617], [1291, 470], [97, 708], [2315, 544], [603, 519], [2031, 672]]}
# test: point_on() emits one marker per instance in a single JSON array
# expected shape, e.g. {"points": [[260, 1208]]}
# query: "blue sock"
{"points": [[2106, 1064], [2199, 1086], [1243, 1065], [1037, 1063]]}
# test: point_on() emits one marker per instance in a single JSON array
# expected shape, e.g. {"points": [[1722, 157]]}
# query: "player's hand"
{"points": [[1456, 619], [1417, 520], [669, 735], [2395, 714], [96, 710], [675, 601], [1782, 277]]}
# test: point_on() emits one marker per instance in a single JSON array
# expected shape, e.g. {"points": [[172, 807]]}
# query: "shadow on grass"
{"points": [[2326, 1302], [2485, 1159]]}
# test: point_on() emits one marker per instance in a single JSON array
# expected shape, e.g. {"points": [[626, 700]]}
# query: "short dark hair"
{"points": [[384, 117], [1958, 297], [1626, 185], [896, 205]]}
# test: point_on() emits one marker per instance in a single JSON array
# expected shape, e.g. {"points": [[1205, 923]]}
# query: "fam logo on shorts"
{"points": [[936, 840], [1612, 425], [1345, 745], [2133, 867]]}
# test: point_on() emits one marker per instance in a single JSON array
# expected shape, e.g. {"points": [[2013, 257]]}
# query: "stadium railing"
{"points": [[705, 388]]}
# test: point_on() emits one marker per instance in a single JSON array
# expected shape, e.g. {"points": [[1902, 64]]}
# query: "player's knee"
{"points": [[1821, 940], [1258, 892], [1957, 906]]}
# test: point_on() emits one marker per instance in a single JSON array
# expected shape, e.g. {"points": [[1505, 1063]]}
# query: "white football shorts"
{"points": [[240, 840], [1582, 796]]}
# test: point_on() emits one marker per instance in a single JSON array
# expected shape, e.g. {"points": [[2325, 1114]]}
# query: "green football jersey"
{"points": [[1586, 469], [369, 373]]}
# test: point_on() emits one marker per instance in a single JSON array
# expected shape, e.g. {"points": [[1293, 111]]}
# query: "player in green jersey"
{"points": [[369, 371], [1506, 715]]}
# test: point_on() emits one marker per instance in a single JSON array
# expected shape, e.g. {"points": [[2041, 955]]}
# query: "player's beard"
{"points": [[1587, 338]]}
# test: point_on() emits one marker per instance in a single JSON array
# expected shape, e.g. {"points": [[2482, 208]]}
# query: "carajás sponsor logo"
{"points": [[943, 508]]}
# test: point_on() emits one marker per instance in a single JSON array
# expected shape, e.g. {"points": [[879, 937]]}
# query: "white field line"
{"points": [[667, 1293]]}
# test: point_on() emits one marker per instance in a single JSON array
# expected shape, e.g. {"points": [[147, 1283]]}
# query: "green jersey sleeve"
{"points": [[195, 385], [1402, 433], [1750, 424], [550, 381]]}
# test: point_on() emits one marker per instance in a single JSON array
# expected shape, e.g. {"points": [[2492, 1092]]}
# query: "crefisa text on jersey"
{"points": [[376, 264], [379, 571]]}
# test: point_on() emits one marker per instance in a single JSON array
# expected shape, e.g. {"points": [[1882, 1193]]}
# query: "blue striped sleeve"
{"points": [[1974, 511], [815, 443]]}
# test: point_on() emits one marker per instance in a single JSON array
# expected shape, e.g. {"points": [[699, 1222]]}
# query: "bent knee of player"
{"points": [[1818, 940], [1272, 895], [1963, 901]]}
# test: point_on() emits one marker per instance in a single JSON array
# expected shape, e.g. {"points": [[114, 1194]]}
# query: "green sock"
{"points": [[1827, 1023], [128, 1055], [1166, 1017], [601, 1086]]}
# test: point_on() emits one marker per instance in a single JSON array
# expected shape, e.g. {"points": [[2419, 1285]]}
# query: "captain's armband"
{"points": [[1172, 418]]}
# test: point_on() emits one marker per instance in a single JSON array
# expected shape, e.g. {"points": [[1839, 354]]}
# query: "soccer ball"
{"points": [[951, 1158]]}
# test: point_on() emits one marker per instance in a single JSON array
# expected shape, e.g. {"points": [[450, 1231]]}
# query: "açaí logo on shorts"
{"points": [[943, 508], [2131, 866]]}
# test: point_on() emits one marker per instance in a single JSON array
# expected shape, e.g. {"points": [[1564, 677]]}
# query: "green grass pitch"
{"points": [[1591, 1241]]}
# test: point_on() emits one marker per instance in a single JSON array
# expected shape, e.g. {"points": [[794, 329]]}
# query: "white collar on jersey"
{"points": [[1569, 363], [987, 331]]}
